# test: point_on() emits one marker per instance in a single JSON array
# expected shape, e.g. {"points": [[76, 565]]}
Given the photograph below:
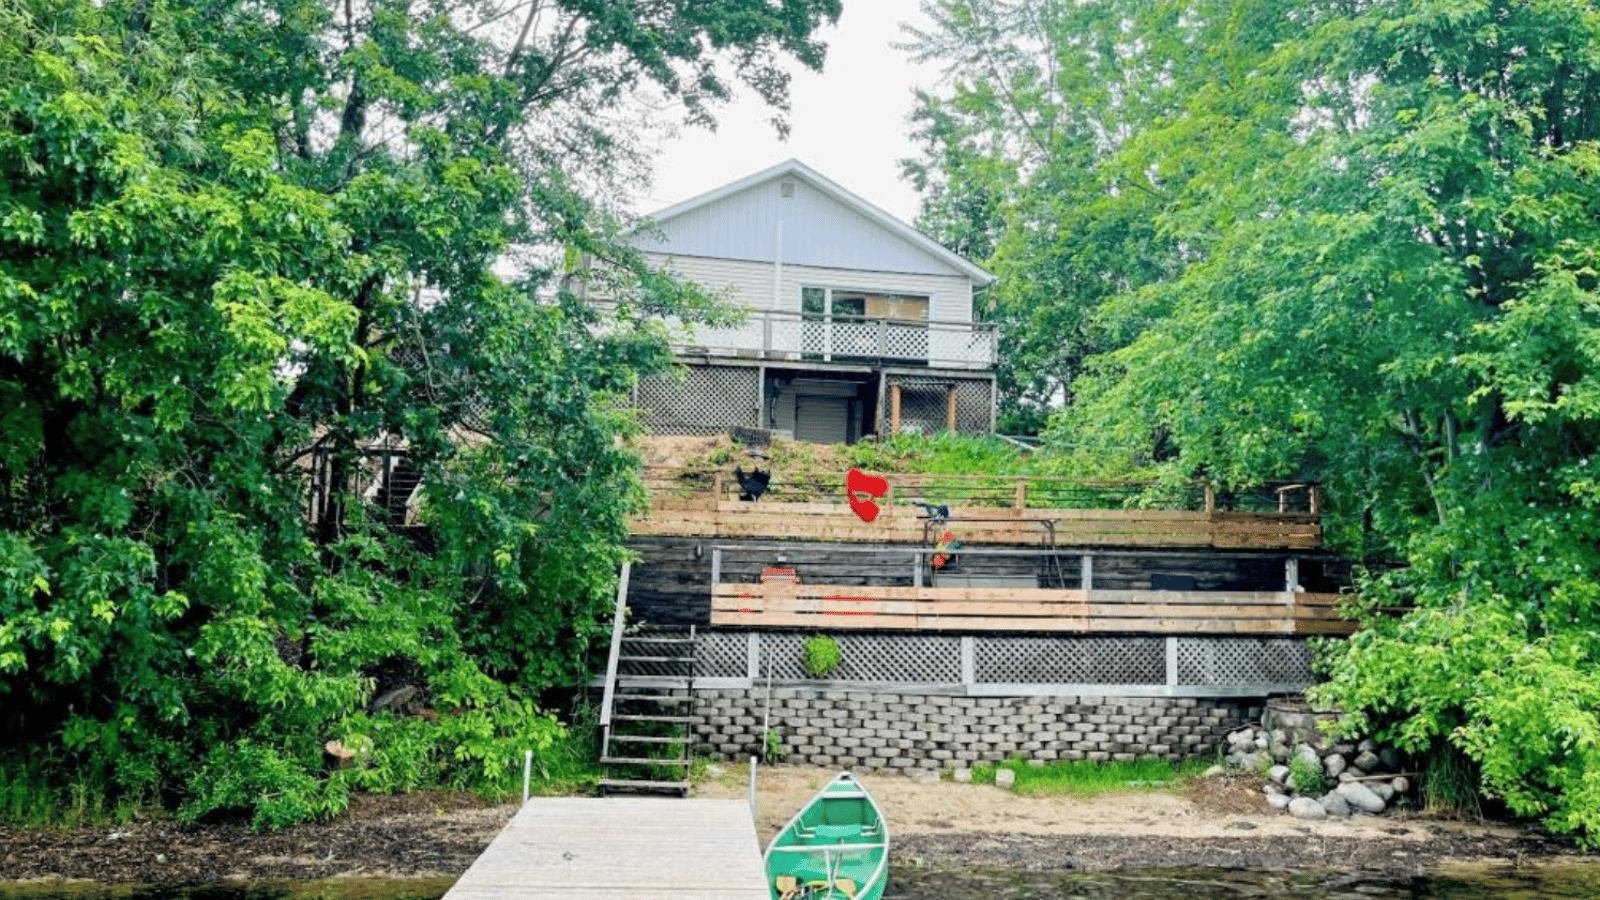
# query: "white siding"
{"points": [[810, 228]]}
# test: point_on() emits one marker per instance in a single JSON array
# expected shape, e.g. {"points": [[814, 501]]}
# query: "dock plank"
{"points": [[620, 847]]}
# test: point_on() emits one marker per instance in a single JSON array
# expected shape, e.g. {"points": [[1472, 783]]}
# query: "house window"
{"points": [[846, 324]]}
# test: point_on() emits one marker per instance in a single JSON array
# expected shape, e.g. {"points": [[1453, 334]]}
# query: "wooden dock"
{"points": [[627, 848]]}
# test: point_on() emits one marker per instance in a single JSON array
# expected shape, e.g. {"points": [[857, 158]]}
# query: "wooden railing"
{"points": [[788, 335], [776, 605], [992, 510]]}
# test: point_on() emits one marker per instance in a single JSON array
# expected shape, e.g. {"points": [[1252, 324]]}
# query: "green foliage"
{"points": [[245, 248], [820, 655], [1306, 775], [1085, 779], [1364, 255], [772, 746], [942, 453], [38, 792], [1449, 783]]}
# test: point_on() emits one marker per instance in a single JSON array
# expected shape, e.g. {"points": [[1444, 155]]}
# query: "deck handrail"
{"points": [[919, 608], [830, 337], [1020, 492]]}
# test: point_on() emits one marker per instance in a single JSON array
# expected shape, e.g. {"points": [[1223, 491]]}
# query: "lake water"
{"points": [[1547, 882]]}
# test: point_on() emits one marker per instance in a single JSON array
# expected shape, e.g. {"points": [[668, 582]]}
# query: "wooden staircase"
{"points": [[395, 491], [647, 713]]}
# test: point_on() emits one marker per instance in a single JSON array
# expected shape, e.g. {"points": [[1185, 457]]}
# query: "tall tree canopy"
{"points": [[241, 241], [1359, 247]]}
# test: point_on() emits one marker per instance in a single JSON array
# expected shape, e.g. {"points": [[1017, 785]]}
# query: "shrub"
{"points": [[821, 655], [1305, 775]]}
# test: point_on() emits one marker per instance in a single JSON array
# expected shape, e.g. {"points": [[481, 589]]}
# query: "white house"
{"points": [[858, 323]]}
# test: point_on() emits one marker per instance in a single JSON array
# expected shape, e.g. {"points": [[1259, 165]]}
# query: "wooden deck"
{"points": [[620, 848], [1254, 613]]}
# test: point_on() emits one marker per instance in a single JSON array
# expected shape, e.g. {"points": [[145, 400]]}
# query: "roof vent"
{"points": [[786, 189]]}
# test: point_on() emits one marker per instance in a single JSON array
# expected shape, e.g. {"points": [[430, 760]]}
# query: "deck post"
{"points": [[1172, 661], [1086, 577], [761, 397], [969, 662], [716, 569], [1022, 496], [916, 572], [752, 656], [894, 408], [950, 409], [879, 419], [1291, 585]]}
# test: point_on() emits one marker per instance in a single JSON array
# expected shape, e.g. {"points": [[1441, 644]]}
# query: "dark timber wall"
{"points": [[671, 583]]}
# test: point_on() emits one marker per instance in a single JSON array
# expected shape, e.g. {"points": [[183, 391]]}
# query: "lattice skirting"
{"points": [[923, 403], [708, 400], [1005, 665]]}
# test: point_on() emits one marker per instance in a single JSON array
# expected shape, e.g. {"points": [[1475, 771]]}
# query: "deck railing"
{"points": [[1042, 610], [991, 510], [785, 335], [979, 590]]}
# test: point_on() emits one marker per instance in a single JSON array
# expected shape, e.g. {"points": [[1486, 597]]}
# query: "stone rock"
{"points": [[1367, 761], [1333, 764], [1400, 783], [1306, 808], [394, 698], [1347, 775], [1279, 774], [1250, 762], [962, 775], [1272, 789], [1005, 779], [1279, 801], [1367, 745], [1213, 772], [1344, 749], [1383, 789], [1390, 758], [1335, 805], [1361, 797], [1309, 754]]}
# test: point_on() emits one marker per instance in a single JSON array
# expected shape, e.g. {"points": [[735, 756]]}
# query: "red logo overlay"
{"points": [[860, 482]]}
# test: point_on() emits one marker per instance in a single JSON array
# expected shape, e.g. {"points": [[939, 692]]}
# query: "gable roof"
{"points": [[797, 170]]}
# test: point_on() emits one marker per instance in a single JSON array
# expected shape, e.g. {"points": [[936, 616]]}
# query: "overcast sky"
{"points": [[848, 122]]}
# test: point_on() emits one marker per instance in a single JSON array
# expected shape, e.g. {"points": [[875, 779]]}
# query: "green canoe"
{"points": [[836, 848]]}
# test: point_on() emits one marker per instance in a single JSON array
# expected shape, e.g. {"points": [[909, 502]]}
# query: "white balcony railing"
{"points": [[769, 334]]}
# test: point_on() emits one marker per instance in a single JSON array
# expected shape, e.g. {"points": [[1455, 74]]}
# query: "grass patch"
{"points": [[1083, 779], [36, 793]]}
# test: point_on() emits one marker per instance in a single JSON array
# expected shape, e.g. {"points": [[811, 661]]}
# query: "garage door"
{"points": [[821, 420]]}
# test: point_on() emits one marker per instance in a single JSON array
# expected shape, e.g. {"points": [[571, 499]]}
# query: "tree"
{"points": [[1030, 166], [239, 243], [1382, 217]]}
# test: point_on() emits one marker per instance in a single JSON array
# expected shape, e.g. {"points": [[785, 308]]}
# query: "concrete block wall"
{"points": [[871, 730]]}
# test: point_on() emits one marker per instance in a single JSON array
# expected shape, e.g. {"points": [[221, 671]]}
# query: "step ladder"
{"points": [[647, 713]]}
